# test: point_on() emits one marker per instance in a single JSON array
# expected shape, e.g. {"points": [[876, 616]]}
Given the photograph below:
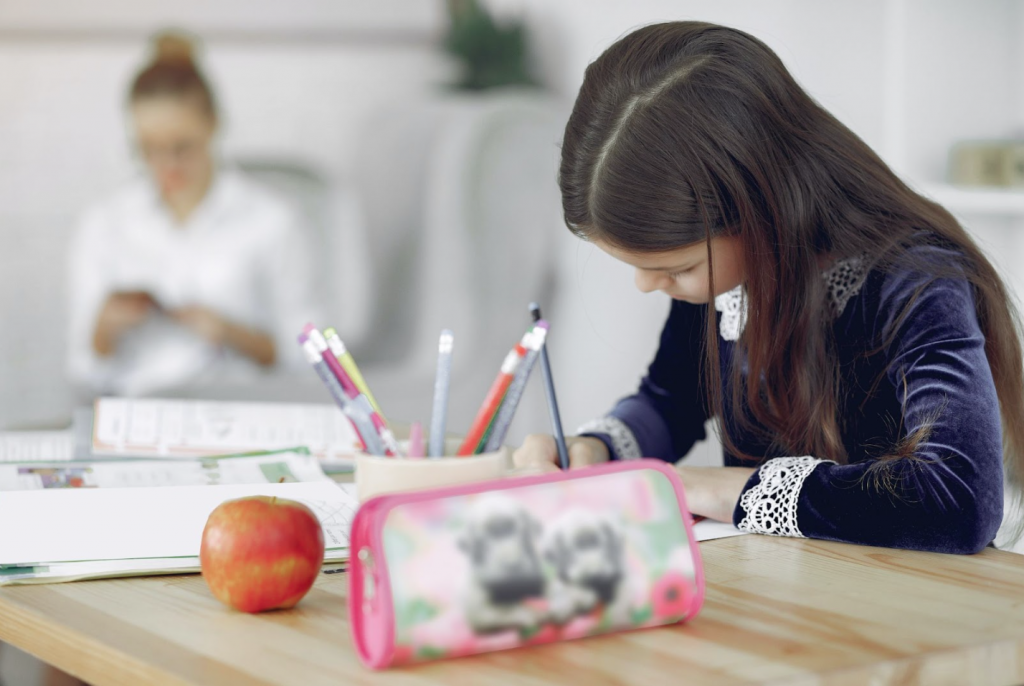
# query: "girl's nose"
{"points": [[648, 282]]}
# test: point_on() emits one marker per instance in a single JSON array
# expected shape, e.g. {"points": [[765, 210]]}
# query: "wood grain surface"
{"points": [[790, 611]]}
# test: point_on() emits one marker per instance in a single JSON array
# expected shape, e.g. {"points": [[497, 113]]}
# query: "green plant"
{"points": [[492, 55]]}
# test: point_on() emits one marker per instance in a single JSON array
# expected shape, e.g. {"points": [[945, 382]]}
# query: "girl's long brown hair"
{"points": [[683, 131]]}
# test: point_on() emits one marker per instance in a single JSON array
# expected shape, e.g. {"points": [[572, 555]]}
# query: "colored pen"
{"points": [[490, 427], [493, 399], [348, 363], [515, 392], [351, 390], [361, 423], [549, 387], [442, 386], [415, 440]]}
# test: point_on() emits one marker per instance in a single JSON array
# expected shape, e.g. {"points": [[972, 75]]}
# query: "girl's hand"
{"points": [[712, 492], [539, 453]]}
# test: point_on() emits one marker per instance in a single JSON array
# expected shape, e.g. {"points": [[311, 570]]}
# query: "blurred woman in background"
{"points": [[192, 273]]}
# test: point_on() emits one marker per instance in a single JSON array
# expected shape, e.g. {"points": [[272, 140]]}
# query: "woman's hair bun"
{"points": [[171, 47]]}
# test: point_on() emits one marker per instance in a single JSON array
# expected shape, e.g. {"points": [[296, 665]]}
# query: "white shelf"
{"points": [[975, 200]]}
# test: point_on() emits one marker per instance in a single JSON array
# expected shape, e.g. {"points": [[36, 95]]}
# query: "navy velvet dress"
{"points": [[930, 368]]}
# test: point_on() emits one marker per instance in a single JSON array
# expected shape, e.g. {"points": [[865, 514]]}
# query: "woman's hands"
{"points": [[122, 312], [217, 330], [125, 310]]}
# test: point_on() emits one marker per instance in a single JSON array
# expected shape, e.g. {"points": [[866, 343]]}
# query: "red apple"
{"points": [[261, 553]]}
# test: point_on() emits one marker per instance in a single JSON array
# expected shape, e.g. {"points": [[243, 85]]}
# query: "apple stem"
{"points": [[273, 499]]}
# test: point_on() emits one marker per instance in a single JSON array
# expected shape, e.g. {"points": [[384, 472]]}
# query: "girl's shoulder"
{"points": [[923, 281]]}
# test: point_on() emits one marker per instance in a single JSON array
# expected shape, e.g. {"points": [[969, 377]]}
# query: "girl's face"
{"points": [[174, 136], [683, 273]]}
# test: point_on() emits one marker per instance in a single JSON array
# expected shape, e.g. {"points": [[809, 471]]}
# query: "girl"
{"points": [[861, 354], [191, 273]]}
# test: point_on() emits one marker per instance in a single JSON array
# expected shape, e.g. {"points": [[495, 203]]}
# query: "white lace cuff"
{"points": [[624, 442], [771, 505]]}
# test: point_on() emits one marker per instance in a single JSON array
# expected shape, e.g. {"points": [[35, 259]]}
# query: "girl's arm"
{"points": [[948, 495], [666, 416]]}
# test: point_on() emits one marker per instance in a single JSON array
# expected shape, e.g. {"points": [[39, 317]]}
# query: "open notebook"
{"points": [[68, 534], [191, 428]]}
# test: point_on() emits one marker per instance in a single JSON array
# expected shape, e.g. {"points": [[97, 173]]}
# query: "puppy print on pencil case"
{"points": [[586, 550], [537, 564], [500, 539]]}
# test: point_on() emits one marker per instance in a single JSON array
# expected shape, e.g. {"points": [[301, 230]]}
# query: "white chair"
{"points": [[461, 205]]}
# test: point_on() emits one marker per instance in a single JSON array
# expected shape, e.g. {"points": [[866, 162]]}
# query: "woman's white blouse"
{"points": [[241, 254]]}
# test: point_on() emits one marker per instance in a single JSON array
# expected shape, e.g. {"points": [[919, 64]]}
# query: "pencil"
{"points": [[549, 387], [442, 386], [473, 442], [359, 400], [361, 423], [348, 363], [515, 392], [415, 440]]}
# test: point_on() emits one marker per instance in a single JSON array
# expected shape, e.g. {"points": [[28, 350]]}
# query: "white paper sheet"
{"points": [[188, 428], [65, 525], [709, 529]]}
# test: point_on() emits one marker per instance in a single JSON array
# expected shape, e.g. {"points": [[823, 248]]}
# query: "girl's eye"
{"points": [[676, 275]]}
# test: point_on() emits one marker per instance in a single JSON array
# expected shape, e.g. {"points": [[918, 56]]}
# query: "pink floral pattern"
{"points": [[672, 596]]}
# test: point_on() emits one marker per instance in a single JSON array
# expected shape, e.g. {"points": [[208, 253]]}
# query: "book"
{"points": [[75, 533], [192, 428]]}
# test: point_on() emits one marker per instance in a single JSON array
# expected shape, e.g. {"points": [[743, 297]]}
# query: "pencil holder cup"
{"points": [[377, 475]]}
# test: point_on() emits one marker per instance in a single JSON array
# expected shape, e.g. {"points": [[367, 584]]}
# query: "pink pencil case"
{"points": [[521, 561]]}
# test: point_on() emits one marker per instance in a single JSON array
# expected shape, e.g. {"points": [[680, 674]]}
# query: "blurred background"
{"points": [[417, 142]]}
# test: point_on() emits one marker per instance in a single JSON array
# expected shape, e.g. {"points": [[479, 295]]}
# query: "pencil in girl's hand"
{"points": [[549, 387], [493, 399], [515, 392], [442, 385]]}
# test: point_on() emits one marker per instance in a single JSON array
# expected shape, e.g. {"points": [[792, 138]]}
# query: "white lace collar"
{"points": [[843, 279]]}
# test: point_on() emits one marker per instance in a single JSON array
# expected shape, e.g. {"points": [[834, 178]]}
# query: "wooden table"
{"points": [[778, 610]]}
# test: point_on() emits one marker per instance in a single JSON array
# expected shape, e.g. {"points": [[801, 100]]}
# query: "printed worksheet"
{"points": [[277, 467]]}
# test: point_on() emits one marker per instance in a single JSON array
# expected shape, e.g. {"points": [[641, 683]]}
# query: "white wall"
{"points": [[269, 17]]}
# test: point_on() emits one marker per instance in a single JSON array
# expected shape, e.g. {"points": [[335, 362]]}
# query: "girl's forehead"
{"points": [[668, 259]]}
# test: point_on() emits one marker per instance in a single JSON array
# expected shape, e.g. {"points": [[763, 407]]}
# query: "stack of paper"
{"points": [[190, 428], [66, 534], [36, 446]]}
